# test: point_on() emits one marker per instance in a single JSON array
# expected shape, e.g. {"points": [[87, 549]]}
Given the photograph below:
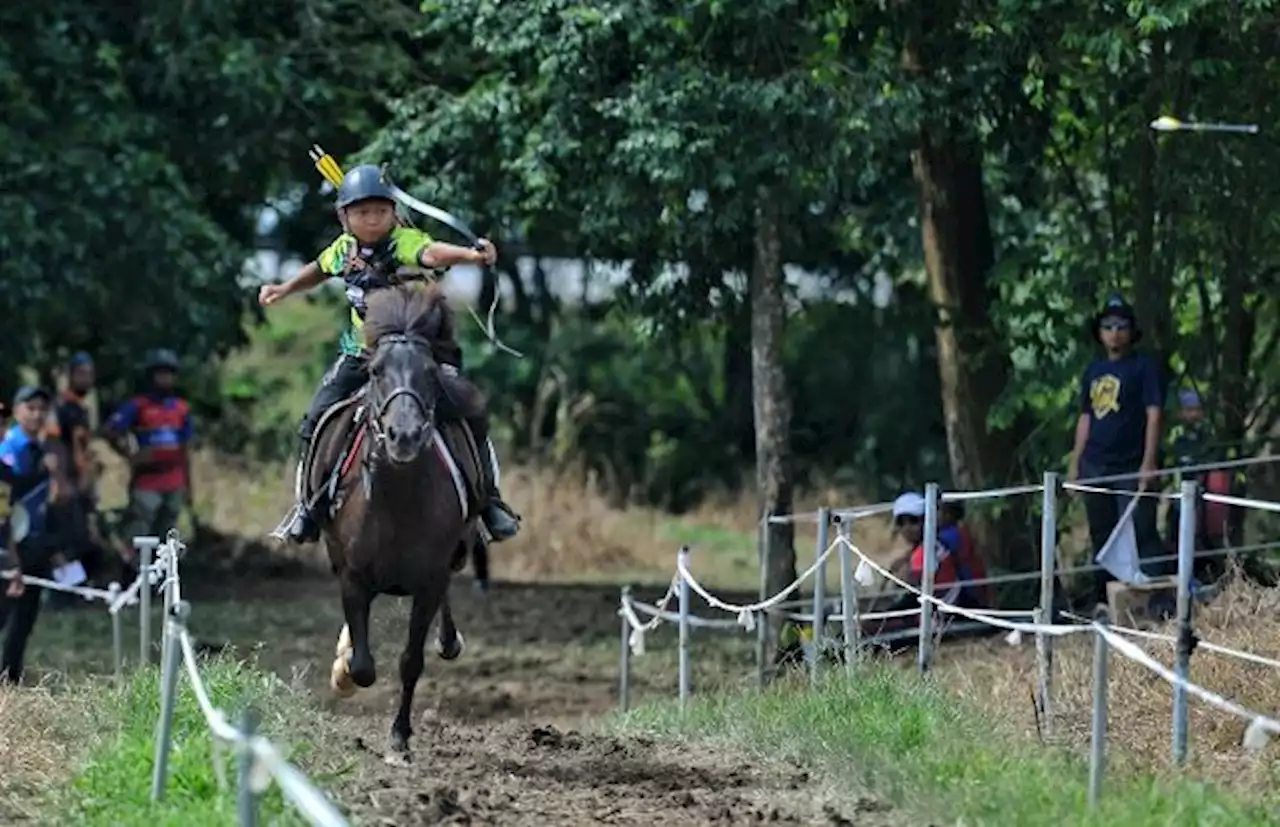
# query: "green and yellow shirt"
{"points": [[367, 268]]}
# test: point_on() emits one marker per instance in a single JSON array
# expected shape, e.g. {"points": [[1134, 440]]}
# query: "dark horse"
{"points": [[404, 514]]}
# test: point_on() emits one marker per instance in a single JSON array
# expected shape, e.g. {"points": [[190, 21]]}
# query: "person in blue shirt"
{"points": [[1118, 431], [30, 470]]}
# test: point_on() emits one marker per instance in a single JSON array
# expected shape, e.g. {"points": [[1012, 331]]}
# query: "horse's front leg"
{"points": [[356, 600], [424, 608], [449, 641]]}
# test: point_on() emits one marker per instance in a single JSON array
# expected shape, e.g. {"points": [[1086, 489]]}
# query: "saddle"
{"points": [[452, 440]]}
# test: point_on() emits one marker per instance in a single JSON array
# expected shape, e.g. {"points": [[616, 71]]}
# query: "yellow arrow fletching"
{"points": [[332, 171], [326, 165]]}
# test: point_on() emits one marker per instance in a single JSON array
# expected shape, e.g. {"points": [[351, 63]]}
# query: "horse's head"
{"points": [[404, 378]]}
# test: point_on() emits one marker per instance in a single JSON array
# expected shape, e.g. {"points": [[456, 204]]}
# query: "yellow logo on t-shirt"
{"points": [[1104, 395]]}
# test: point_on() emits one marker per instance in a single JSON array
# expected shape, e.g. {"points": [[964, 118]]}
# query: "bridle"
{"points": [[381, 405]]}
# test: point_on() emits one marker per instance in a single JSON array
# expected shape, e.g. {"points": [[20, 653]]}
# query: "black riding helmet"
{"points": [[362, 183], [1116, 308]]}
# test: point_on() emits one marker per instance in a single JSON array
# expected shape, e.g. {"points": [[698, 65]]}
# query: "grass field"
{"points": [[80, 753], [917, 744]]}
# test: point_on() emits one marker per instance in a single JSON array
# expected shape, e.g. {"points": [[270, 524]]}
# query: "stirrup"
{"points": [[283, 531]]}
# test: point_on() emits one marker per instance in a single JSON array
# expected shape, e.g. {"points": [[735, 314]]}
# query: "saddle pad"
{"points": [[438, 442]]}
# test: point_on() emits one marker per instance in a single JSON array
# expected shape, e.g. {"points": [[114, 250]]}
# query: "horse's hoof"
{"points": [[340, 679], [459, 646], [364, 674], [398, 758], [344, 641]]}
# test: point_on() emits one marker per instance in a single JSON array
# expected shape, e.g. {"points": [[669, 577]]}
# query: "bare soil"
{"points": [[508, 734]]}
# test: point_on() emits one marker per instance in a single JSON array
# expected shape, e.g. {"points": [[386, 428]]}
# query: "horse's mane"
{"points": [[414, 310]]}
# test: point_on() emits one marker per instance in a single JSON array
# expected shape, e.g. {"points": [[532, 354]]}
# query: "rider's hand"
{"points": [[16, 586], [488, 253], [269, 294]]}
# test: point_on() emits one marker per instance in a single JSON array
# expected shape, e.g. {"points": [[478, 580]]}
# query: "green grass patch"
{"points": [[113, 784], [925, 750]]}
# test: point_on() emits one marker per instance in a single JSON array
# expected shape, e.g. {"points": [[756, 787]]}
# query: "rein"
{"points": [[381, 405]]}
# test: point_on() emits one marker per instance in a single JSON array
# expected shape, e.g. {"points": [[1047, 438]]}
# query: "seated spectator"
{"points": [[970, 565], [31, 467], [908, 523]]}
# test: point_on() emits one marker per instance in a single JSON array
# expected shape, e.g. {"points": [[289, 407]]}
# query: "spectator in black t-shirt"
{"points": [[1119, 431]]}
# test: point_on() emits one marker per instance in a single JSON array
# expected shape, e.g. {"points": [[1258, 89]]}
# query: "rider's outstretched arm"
{"points": [[309, 277], [440, 254]]}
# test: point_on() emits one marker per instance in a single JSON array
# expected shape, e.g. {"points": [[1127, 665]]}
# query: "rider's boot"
{"points": [[304, 528], [499, 518]]}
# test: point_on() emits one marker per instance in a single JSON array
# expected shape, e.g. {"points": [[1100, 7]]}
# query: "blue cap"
{"points": [[80, 357], [1189, 398]]}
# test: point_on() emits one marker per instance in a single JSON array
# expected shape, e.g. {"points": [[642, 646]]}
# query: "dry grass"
{"points": [[568, 530], [42, 736], [1246, 617]]}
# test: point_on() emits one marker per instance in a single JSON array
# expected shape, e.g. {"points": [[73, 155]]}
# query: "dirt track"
{"points": [[501, 734]]}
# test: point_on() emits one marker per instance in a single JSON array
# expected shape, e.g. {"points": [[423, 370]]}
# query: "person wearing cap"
{"points": [[1191, 435], [374, 252], [1118, 431], [908, 520], [159, 420], [29, 467]]}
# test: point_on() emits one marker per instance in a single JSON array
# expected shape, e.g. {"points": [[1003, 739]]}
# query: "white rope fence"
{"points": [[1107, 637], [260, 761]]}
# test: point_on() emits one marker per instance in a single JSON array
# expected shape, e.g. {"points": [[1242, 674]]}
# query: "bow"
{"points": [[329, 169]]}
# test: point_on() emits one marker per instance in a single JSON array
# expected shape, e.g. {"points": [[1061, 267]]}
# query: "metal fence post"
{"points": [[117, 636], [683, 560], [168, 556], [1098, 729], [168, 695], [1048, 576], [819, 595], [1182, 663], [848, 596], [624, 657], [246, 801], [146, 547], [929, 543]]}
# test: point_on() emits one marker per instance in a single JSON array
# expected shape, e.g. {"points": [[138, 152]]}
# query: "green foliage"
{"points": [[137, 146]]}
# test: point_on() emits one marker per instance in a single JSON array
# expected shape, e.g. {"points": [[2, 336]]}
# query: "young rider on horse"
{"points": [[367, 256]]}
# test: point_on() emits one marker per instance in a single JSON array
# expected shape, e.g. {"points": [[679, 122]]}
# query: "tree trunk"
{"points": [[736, 355], [771, 404], [973, 365], [973, 362]]}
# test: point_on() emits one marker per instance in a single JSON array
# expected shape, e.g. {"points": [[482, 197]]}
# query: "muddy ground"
{"points": [[509, 733]]}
